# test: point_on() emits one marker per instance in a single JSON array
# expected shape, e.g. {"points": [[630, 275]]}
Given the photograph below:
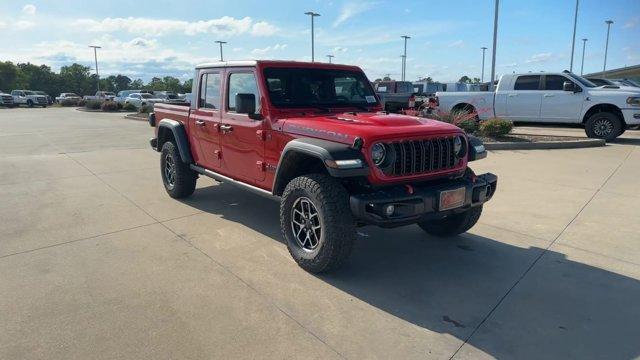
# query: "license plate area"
{"points": [[451, 199]]}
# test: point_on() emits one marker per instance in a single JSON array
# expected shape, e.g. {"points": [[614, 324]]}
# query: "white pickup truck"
{"points": [[553, 98], [29, 98]]}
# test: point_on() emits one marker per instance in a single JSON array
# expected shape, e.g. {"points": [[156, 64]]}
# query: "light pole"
{"points": [[573, 42], [404, 57], [495, 41], [584, 44], [221, 42], [95, 56], [606, 47], [330, 57], [312, 15], [482, 76]]}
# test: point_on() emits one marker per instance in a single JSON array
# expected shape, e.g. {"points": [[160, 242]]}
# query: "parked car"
{"points": [[123, 94], [287, 130], [102, 96], [395, 95], [167, 96], [141, 99], [613, 82], [68, 96], [6, 100], [49, 98], [29, 98], [553, 98]]}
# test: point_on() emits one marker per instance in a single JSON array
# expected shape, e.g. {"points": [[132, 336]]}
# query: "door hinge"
{"points": [[261, 166], [262, 135], [218, 154]]}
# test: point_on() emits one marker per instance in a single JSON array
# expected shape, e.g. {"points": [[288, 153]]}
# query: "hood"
{"points": [[345, 127], [622, 90]]}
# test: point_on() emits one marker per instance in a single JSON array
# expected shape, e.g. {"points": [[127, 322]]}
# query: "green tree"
{"points": [[8, 75], [465, 79], [75, 78], [187, 86], [137, 84]]}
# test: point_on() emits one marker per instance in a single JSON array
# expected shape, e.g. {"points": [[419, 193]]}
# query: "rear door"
{"points": [[204, 121], [559, 105], [241, 137], [523, 102]]}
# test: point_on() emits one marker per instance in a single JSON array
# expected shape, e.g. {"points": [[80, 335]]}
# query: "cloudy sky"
{"points": [[143, 39]]}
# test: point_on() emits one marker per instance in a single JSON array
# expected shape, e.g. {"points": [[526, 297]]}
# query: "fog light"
{"points": [[389, 210]]}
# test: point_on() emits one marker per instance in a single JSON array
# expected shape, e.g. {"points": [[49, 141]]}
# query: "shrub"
{"points": [[129, 107], [469, 126], [495, 127], [145, 109], [109, 106], [92, 104], [69, 102]]}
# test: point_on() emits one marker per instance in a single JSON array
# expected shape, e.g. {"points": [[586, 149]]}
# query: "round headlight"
{"points": [[459, 146], [378, 153]]}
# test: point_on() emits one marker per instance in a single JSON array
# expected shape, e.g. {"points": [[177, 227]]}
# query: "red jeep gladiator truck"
{"points": [[315, 137]]}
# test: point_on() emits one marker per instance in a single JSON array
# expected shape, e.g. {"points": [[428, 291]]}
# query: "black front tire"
{"points": [[178, 179], [454, 224], [604, 125], [337, 228]]}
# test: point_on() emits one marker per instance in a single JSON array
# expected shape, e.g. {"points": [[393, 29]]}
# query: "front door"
{"points": [[241, 137], [559, 105], [523, 102], [205, 120]]}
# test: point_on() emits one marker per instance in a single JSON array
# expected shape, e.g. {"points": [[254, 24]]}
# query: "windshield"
{"points": [[297, 87], [581, 80], [146, 96], [30, 93]]}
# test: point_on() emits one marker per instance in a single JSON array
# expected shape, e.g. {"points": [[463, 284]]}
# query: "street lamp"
{"points": [[312, 15], [330, 57], [95, 56], [404, 57], [221, 42], [495, 41], [584, 43], [606, 47], [573, 42], [482, 76]]}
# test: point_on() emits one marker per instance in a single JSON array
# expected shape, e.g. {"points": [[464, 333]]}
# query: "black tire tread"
{"points": [[339, 228], [185, 183]]}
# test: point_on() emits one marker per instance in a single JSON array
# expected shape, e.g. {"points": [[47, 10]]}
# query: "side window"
{"points": [[527, 82], [202, 91], [554, 82], [212, 91], [242, 83]]}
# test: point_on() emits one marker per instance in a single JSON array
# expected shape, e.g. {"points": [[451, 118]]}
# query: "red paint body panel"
{"points": [[252, 149]]}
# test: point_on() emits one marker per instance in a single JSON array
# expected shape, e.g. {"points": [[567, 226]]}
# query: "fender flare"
{"points": [[325, 151], [180, 136]]}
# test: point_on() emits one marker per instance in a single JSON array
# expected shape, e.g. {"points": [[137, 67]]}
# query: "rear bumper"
{"points": [[423, 203]]}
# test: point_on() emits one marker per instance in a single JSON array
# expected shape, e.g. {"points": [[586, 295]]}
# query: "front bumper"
{"points": [[631, 116], [421, 203]]}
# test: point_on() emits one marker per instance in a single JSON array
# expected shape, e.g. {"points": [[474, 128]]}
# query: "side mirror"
{"points": [[246, 104], [569, 86]]}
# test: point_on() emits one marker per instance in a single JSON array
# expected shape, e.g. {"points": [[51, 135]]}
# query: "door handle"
{"points": [[548, 95], [200, 122], [226, 128], [512, 95]]}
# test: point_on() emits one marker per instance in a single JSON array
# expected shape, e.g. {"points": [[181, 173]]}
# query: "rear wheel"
{"points": [[454, 224], [316, 222], [604, 125], [178, 179]]}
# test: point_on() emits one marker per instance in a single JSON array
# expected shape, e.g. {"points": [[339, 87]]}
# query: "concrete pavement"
{"points": [[98, 262]]}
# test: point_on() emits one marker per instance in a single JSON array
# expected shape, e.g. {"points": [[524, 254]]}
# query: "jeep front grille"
{"points": [[422, 156]]}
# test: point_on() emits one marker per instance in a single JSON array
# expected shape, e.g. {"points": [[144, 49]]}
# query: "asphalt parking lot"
{"points": [[96, 261]]}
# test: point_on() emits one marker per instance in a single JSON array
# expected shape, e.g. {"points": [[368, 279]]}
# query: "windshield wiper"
{"points": [[320, 107]]}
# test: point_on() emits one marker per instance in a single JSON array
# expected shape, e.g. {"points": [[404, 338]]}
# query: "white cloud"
{"points": [[263, 28], [350, 10], [225, 26], [632, 23], [456, 44], [539, 58], [29, 9], [23, 24], [237, 49], [3, 24], [341, 49], [509, 65], [259, 52]]}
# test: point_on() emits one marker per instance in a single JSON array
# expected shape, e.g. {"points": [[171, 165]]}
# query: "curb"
{"points": [[136, 117], [545, 145]]}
